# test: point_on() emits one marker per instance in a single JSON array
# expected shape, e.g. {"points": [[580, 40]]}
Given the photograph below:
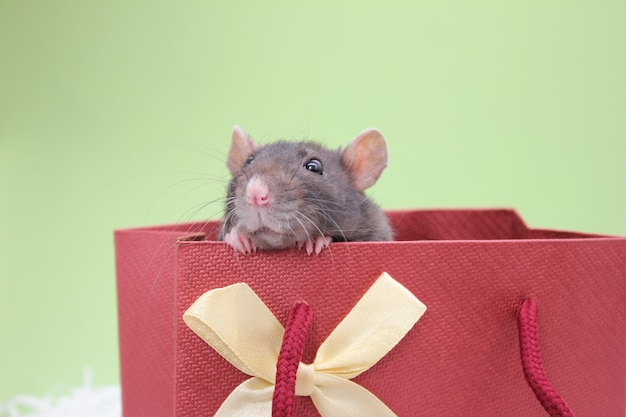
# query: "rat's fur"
{"points": [[303, 205]]}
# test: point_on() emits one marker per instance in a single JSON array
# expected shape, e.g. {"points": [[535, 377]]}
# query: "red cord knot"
{"points": [[305, 380]]}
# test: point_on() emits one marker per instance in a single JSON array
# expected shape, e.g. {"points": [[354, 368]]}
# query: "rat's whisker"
{"points": [[321, 233], [295, 172], [195, 209], [306, 231], [311, 221]]}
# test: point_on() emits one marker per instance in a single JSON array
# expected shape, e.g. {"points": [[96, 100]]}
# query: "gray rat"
{"points": [[288, 194]]}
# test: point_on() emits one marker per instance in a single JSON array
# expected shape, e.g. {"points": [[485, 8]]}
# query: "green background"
{"points": [[118, 114]]}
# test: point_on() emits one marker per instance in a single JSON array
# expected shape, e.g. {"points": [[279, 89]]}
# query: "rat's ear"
{"points": [[241, 147], [366, 158]]}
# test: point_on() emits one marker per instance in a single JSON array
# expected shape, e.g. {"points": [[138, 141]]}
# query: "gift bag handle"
{"points": [[289, 358], [527, 321], [299, 321]]}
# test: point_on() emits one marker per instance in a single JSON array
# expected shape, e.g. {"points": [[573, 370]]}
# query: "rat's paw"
{"points": [[239, 242], [316, 245]]}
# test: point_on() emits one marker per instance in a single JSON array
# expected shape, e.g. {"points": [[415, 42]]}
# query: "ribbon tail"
{"points": [[335, 396], [252, 398]]}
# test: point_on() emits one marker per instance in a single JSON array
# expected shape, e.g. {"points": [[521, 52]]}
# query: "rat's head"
{"points": [[289, 192]]}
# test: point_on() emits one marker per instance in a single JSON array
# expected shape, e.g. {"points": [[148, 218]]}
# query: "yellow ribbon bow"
{"points": [[238, 325]]}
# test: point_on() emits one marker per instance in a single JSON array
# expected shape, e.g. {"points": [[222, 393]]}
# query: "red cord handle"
{"points": [[532, 363], [298, 324]]}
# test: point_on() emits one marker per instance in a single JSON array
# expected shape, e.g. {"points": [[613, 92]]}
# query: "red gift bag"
{"points": [[519, 321]]}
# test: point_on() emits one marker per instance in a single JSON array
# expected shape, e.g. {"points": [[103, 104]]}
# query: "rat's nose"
{"points": [[257, 192]]}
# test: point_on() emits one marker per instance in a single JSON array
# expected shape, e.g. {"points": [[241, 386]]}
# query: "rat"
{"points": [[301, 194]]}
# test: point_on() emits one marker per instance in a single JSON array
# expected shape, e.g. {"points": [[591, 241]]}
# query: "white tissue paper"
{"points": [[83, 401]]}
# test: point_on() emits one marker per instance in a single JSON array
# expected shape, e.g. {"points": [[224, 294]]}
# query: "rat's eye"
{"points": [[248, 161], [314, 165]]}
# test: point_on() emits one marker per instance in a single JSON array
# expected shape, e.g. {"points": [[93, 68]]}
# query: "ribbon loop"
{"points": [[379, 320], [236, 323]]}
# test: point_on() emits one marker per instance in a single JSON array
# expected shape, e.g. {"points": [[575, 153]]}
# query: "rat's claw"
{"points": [[247, 244], [309, 247], [316, 245], [322, 242], [239, 242]]}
